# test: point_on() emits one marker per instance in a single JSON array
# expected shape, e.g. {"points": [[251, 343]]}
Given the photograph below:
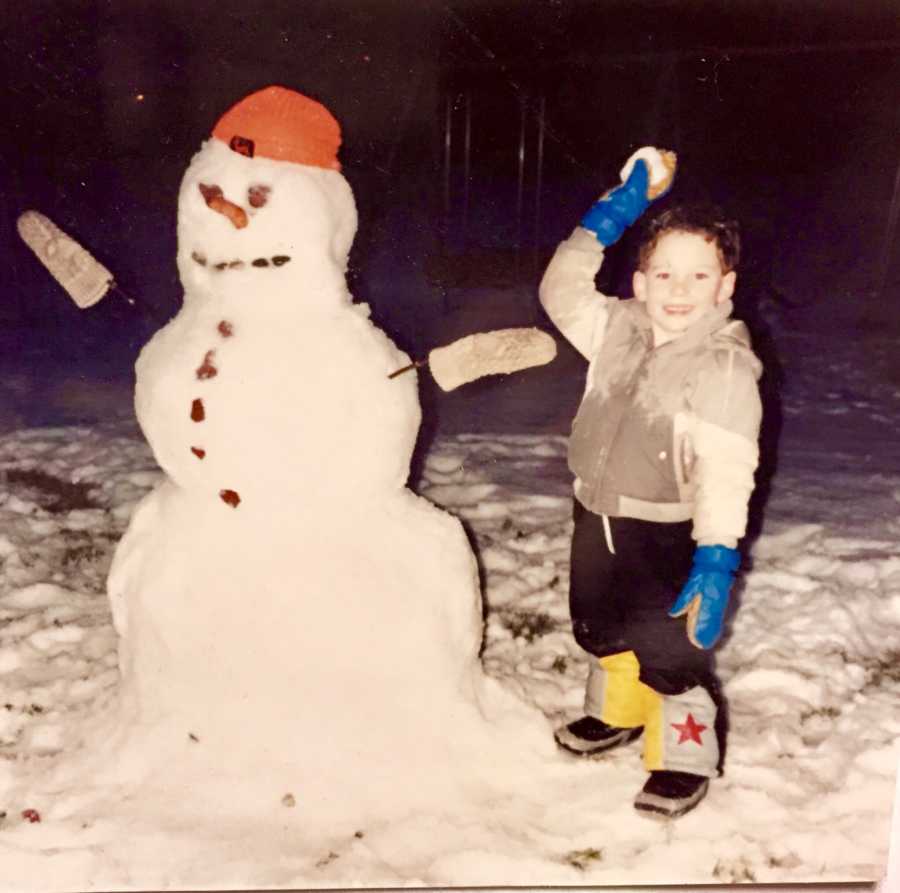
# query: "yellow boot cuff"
{"points": [[623, 692], [653, 730]]}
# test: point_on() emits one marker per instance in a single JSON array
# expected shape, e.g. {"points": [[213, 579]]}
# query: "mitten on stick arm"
{"points": [[647, 175], [704, 597]]}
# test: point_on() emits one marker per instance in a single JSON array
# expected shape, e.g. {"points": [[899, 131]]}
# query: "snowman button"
{"points": [[230, 497], [207, 369]]}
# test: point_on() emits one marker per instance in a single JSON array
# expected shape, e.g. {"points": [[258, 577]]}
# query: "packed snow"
{"points": [[810, 669]]}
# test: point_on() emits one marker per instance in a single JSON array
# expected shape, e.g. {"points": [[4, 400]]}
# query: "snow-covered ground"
{"points": [[811, 667]]}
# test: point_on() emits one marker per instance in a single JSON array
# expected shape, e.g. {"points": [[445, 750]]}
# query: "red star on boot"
{"points": [[689, 730]]}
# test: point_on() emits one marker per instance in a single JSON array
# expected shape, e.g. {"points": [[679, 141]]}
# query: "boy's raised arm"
{"points": [[567, 291]]}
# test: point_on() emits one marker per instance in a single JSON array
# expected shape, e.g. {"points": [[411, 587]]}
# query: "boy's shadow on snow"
{"points": [[755, 296], [750, 304]]}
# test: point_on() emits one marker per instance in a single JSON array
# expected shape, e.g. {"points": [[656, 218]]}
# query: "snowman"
{"points": [[292, 617]]}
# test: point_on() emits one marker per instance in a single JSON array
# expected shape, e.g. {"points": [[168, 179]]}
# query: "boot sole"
{"points": [[598, 747], [663, 808]]}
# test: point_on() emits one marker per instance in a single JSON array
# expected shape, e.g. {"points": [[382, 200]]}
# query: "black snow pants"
{"points": [[619, 600]]}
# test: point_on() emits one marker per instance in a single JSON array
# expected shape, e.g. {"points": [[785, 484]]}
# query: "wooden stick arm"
{"points": [[414, 365]]}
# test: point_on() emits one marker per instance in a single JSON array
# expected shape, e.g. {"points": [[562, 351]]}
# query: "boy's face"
{"points": [[683, 280]]}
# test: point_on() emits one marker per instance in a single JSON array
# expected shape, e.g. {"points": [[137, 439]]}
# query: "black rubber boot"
{"points": [[668, 795], [588, 736]]}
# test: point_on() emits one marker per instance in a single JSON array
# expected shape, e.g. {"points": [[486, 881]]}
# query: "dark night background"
{"points": [[787, 113]]}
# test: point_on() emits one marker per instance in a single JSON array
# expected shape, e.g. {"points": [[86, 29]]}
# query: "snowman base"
{"points": [[351, 687]]}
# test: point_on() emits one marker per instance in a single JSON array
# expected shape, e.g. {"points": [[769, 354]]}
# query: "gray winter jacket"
{"points": [[662, 434]]}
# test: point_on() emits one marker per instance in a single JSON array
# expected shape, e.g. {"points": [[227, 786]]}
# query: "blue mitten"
{"points": [[705, 595], [620, 207], [650, 174]]}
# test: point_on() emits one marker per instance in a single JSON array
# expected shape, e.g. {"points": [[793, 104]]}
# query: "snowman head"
{"points": [[264, 215]]}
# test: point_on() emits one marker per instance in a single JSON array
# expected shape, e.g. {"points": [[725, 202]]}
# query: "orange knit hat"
{"points": [[283, 125]]}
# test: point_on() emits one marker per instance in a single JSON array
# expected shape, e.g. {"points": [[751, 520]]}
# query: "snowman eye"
{"points": [[258, 195]]}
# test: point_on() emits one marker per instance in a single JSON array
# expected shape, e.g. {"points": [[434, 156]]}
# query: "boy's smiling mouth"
{"points": [[678, 309]]}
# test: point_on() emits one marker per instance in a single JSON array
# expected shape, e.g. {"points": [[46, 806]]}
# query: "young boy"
{"points": [[663, 449]]}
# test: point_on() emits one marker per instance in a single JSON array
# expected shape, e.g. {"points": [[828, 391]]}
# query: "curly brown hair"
{"points": [[703, 219]]}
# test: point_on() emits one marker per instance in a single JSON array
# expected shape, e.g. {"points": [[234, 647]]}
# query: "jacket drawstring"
{"points": [[607, 532]]}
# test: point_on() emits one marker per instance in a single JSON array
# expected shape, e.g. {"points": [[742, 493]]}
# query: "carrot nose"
{"points": [[215, 199]]}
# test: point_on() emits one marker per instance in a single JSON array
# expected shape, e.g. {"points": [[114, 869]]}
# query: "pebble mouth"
{"points": [[278, 260]]}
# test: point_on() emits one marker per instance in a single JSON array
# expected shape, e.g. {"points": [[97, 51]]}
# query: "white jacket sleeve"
{"points": [[568, 293], [728, 414]]}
